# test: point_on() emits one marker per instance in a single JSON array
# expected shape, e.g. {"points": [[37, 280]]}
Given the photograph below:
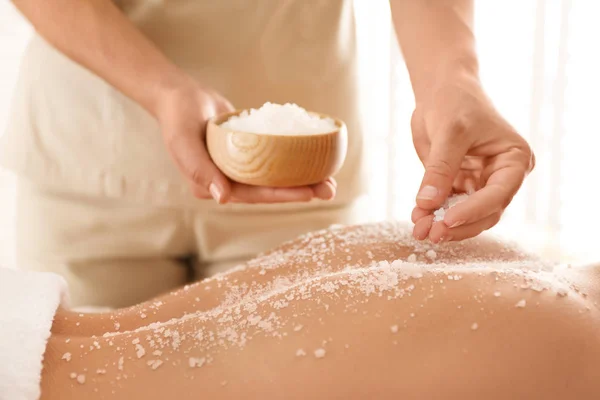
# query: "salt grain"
{"points": [[66, 357], [497, 294], [81, 379], [320, 353], [475, 326], [431, 254], [139, 351], [394, 328], [300, 353], [154, 364], [521, 303], [195, 362], [453, 200], [412, 258]]}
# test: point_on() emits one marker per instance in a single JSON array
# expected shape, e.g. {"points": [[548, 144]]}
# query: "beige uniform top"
{"points": [[72, 131]]}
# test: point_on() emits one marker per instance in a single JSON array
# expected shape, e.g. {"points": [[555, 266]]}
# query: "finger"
{"points": [[241, 193], [193, 160], [440, 231], [422, 227], [324, 190], [442, 164], [492, 198], [418, 213]]}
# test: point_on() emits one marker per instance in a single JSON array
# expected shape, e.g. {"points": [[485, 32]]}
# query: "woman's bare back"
{"points": [[353, 312]]}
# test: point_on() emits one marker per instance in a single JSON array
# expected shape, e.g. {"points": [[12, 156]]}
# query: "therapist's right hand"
{"points": [[183, 114]]}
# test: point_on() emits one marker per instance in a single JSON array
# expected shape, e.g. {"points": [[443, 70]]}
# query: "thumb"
{"points": [[441, 167]]}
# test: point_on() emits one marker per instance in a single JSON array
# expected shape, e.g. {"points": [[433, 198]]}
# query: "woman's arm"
{"points": [[437, 40], [463, 142], [97, 35]]}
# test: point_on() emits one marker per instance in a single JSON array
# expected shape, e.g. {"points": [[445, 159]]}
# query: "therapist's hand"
{"points": [[183, 114], [465, 146]]}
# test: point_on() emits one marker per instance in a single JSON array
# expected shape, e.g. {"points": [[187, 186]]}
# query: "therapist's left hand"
{"points": [[465, 146]]}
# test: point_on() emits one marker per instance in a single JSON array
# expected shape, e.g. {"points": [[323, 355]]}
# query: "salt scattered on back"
{"points": [[521, 303], [440, 213], [300, 353], [139, 351], [66, 357], [277, 119], [81, 379], [497, 294], [154, 364], [394, 328], [196, 362], [431, 254], [320, 353], [475, 326]]}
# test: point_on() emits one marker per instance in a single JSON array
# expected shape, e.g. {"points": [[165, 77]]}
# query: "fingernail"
{"points": [[427, 193], [446, 239], [215, 192], [457, 224]]}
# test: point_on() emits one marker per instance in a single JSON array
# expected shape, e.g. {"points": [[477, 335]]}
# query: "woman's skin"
{"points": [[321, 317]]}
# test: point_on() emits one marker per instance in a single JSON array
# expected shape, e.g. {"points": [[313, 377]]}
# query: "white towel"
{"points": [[28, 302]]}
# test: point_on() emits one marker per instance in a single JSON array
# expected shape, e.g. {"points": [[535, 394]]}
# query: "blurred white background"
{"points": [[539, 62]]}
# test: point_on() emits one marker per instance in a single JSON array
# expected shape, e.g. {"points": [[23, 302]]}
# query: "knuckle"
{"points": [[493, 221], [532, 161], [439, 167], [415, 121], [459, 126], [496, 218], [197, 176]]}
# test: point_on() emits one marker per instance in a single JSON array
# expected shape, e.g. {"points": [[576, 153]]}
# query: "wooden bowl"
{"points": [[276, 160]]}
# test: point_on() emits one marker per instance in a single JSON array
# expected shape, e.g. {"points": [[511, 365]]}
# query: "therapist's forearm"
{"points": [[97, 35], [437, 40]]}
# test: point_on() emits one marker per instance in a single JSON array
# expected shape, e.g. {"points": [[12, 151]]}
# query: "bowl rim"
{"points": [[219, 119]]}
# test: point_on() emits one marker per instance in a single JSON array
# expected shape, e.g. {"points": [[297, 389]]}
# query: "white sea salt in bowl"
{"points": [[277, 145]]}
